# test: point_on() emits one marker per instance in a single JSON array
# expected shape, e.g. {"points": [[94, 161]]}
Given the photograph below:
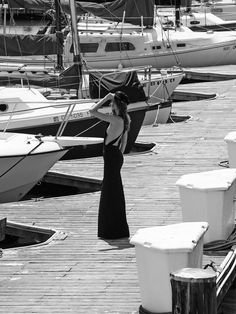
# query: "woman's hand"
{"points": [[110, 96]]}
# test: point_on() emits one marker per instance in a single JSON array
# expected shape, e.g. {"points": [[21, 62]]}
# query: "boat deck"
{"points": [[76, 272]]}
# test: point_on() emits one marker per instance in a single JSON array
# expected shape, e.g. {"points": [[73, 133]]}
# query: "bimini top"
{"points": [[176, 237]]}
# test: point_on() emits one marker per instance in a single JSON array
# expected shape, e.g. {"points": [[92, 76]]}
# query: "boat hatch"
{"points": [[19, 235], [57, 184]]}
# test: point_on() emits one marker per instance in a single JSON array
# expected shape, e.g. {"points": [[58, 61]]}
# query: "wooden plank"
{"points": [[79, 273]]}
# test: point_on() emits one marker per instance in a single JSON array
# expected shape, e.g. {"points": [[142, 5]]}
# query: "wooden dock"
{"points": [[75, 272]]}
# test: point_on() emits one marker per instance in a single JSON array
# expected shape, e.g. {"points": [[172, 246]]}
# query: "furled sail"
{"points": [[127, 82], [113, 10], [173, 3], [26, 45], [30, 4], [67, 79]]}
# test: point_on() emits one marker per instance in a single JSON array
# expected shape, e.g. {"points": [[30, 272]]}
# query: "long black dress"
{"points": [[112, 223]]}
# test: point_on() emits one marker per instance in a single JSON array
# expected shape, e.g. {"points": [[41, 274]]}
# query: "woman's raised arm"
{"points": [[94, 110]]}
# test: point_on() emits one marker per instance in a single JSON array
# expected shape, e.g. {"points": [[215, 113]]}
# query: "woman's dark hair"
{"points": [[122, 102]]}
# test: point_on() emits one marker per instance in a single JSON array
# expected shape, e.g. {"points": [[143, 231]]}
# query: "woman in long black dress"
{"points": [[112, 223]]}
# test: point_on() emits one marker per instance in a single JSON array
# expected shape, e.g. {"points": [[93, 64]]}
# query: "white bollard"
{"points": [[230, 139], [209, 196], [161, 250]]}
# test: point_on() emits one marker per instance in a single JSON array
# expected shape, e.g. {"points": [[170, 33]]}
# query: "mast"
{"points": [[75, 38], [177, 13], [4, 7], [58, 32]]}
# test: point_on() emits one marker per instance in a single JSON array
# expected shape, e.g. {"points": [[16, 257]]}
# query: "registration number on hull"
{"points": [[74, 116]]}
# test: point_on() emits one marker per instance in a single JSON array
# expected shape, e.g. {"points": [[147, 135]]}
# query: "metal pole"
{"points": [[58, 33], [76, 45], [5, 7], [177, 13]]}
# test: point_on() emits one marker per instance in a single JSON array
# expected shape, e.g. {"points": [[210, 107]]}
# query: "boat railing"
{"points": [[69, 104]]}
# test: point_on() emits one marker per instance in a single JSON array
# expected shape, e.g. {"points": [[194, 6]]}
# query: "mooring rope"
{"points": [[221, 245]]}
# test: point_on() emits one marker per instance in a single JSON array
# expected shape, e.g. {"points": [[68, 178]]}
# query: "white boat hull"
{"points": [[202, 57], [16, 194], [141, 47], [161, 85], [25, 159], [156, 48], [159, 115], [27, 172], [153, 47], [39, 115]]}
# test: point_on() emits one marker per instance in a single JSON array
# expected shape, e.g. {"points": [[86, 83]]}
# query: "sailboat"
{"points": [[158, 89], [124, 47], [140, 43], [30, 112], [224, 9], [26, 110], [19, 67], [197, 21], [194, 19], [158, 85], [26, 158]]}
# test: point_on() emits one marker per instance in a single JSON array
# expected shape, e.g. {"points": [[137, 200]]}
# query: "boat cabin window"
{"points": [[86, 47], [181, 45], [216, 10], [194, 22], [156, 47], [3, 107], [119, 46]]}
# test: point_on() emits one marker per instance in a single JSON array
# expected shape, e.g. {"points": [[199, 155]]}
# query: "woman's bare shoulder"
{"points": [[116, 119]]}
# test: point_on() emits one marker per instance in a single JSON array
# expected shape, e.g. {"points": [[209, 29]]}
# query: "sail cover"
{"points": [[173, 3], [68, 79], [100, 85], [30, 4], [114, 11], [28, 45]]}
